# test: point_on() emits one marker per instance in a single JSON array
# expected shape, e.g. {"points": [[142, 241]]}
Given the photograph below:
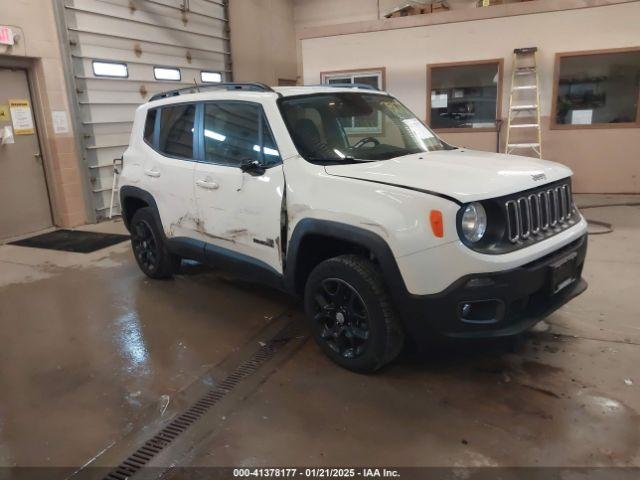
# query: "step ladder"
{"points": [[523, 124]]}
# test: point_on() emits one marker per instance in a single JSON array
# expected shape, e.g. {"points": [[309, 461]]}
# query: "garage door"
{"points": [[124, 51]]}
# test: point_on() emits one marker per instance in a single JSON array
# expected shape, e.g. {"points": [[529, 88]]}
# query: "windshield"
{"points": [[346, 127]]}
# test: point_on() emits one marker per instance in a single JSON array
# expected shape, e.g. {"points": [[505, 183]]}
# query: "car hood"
{"points": [[461, 174]]}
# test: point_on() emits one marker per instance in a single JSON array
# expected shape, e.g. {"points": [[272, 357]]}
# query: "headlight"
{"points": [[474, 222]]}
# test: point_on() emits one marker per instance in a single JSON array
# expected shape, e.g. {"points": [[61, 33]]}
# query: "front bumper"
{"points": [[521, 297]]}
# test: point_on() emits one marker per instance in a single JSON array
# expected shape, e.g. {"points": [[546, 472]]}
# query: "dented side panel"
{"points": [[243, 213], [169, 181]]}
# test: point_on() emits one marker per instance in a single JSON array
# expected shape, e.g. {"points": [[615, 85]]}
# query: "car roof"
{"points": [[188, 95]]}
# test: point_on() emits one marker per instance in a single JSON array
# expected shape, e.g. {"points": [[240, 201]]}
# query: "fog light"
{"points": [[481, 311]]}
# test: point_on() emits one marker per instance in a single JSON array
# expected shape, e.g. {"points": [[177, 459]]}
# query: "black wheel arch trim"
{"points": [[129, 191], [345, 232]]}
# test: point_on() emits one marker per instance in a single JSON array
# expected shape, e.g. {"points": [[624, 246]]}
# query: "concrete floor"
{"points": [[94, 353]]}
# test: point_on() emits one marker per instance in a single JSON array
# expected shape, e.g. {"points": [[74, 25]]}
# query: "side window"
{"points": [[150, 125], [232, 134], [176, 130]]}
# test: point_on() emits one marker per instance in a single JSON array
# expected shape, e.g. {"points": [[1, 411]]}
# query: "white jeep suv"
{"points": [[342, 196]]}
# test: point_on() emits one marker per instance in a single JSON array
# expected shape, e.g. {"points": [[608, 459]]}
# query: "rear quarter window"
{"points": [[150, 126]]}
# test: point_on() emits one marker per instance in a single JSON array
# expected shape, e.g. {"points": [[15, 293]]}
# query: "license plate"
{"points": [[563, 273]]}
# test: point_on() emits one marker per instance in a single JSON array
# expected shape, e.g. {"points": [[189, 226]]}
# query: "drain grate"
{"points": [[180, 424]]}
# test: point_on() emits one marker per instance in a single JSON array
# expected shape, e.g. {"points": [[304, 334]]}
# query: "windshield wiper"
{"points": [[358, 160]]}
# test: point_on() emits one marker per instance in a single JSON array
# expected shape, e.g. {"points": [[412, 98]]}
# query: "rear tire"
{"points": [[149, 249], [352, 318]]}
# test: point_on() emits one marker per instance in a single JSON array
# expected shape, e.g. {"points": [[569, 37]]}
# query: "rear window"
{"points": [[150, 125], [176, 131]]}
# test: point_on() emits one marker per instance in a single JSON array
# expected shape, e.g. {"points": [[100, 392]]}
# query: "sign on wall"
{"points": [[21, 116], [6, 35], [439, 100], [60, 122]]}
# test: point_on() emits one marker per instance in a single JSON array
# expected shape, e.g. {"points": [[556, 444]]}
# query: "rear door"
{"points": [[240, 211], [168, 167]]}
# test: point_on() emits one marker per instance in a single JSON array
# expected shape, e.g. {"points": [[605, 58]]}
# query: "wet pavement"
{"points": [[92, 348], [93, 351]]}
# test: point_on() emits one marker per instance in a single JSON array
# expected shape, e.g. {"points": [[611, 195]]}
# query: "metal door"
{"points": [[24, 201]]}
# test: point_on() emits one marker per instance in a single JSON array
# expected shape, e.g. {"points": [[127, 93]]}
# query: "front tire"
{"points": [[151, 253], [352, 318]]}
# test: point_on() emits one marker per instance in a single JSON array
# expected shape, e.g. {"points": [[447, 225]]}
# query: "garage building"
{"points": [[227, 252]]}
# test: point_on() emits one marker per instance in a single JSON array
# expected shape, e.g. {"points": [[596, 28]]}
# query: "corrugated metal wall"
{"points": [[191, 35]]}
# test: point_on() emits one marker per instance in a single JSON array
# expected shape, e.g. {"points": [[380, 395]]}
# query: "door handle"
{"points": [[209, 185], [152, 173], [38, 156]]}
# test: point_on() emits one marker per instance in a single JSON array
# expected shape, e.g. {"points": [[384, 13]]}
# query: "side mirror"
{"points": [[252, 167]]}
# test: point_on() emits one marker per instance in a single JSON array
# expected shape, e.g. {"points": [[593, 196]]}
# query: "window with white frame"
{"points": [[167, 73], [373, 78], [110, 69], [210, 77]]}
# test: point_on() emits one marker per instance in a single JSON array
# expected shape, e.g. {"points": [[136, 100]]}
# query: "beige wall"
{"points": [[34, 22], [263, 41], [313, 13], [604, 160]]}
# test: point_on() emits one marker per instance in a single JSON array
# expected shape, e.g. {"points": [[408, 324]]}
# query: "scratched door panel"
{"points": [[239, 210]]}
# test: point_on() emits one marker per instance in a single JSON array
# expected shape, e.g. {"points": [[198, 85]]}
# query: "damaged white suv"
{"points": [[342, 196]]}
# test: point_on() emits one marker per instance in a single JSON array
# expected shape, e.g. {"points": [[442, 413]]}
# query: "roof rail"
{"points": [[363, 86], [252, 87]]}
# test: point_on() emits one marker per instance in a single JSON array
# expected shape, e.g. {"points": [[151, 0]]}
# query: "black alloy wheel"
{"points": [[149, 249], [351, 315], [342, 317], [145, 246]]}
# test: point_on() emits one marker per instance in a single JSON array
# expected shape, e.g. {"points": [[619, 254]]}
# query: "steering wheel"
{"points": [[366, 140]]}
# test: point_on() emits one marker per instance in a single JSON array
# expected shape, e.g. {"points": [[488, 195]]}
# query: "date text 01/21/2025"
{"points": [[315, 473]]}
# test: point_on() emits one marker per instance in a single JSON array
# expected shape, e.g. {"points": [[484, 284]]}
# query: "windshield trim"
{"points": [[283, 99]]}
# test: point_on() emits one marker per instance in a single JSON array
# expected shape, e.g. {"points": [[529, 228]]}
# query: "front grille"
{"points": [[538, 213]]}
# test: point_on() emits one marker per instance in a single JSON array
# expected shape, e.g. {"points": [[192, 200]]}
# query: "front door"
{"points": [[24, 200], [240, 211]]}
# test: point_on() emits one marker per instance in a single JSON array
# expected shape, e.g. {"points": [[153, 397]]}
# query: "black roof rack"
{"points": [[364, 86], [252, 87]]}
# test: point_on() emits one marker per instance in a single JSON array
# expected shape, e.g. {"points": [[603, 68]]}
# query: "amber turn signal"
{"points": [[436, 223]]}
